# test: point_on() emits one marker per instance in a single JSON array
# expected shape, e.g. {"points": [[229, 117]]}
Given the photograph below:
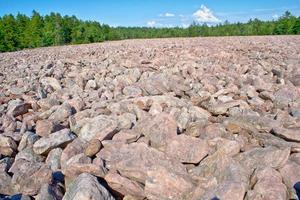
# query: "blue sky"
{"points": [[159, 13]]}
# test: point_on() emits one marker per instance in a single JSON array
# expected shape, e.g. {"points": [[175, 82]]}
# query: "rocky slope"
{"points": [[198, 118]]}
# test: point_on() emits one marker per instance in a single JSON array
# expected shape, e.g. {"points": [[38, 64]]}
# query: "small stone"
{"points": [[7, 146], [93, 148], [53, 82], [91, 84], [19, 109], [233, 128]]}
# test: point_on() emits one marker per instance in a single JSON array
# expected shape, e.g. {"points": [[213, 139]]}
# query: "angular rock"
{"points": [[82, 164], [101, 127], [18, 109], [125, 186], [86, 187], [30, 176], [287, 134], [268, 185], [6, 186], [159, 129], [49, 81], [77, 146], [53, 159], [62, 113], [187, 149], [264, 157], [54, 140], [134, 160], [50, 192], [164, 184], [7, 146], [44, 127], [290, 173]]}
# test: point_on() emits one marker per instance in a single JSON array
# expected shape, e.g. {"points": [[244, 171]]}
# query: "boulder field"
{"points": [[161, 119]]}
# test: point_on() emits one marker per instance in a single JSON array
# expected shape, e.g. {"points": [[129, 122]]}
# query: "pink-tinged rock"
{"points": [[77, 146], [164, 184], [196, 128], [286, 95], [290, 173], [134, 160], [126, 136], [53, 82], [267, 185], [30, 176], [58, 139], [132, 91], [9, 123], [187, 149], [80, 163], [19, 109], [101, 127], [160, 129], [226, 191], [292, 134], [62, 113], [86, 187], [6, 186], [264, 157], [124, 186], [7, 146], [44, 127], [222, 108], [77, 103]]}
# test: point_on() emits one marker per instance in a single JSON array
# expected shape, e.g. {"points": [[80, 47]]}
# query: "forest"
{"points": [[20, 31]]}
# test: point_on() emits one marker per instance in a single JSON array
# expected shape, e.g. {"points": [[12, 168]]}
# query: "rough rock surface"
{"points": [[189, 118]]}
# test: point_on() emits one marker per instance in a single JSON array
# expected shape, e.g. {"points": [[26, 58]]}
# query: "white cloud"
{"points": [[205, 15], [151, 23], [167, 15], [275, 16], [181, 15]]}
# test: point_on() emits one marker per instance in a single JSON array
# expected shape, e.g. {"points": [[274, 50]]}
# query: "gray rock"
{"points": [[101, 127], [54, 140], [53, 159], [86, 187]]}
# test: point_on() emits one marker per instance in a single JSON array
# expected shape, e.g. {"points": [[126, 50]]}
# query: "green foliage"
{"points": [[20, 31]]}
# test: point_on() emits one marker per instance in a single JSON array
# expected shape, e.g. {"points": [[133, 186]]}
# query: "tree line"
{"points": [[20, 31]]}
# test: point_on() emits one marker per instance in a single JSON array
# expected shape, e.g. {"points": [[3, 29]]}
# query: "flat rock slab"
{"points": [[187, 149]]}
